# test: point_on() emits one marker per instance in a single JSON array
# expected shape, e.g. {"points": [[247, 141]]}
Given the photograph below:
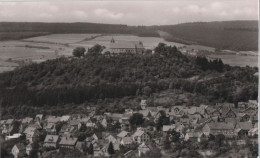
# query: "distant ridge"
{"points": [[233, 35]]}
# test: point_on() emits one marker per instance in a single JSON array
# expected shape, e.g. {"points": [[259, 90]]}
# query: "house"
{"points": [[124, 47], [14, 136], [167, 128], [243, 117], [104, 123], [176, 109], [249, 111], [125, 124], [68, 142], [126, 141], [97, 136], [80, 145], [53, 119], [36, 125], [66, 130], [224, 128], [51, 128], [179, 127], [90, 123], [7, 127], [28, 149], [27, 120], [193, 136], [38, 117], [253, 132], [242, 105], [244, 127], [29, 130], [33, 136], [51, 141], [122, 134], [130, 154], [228, 113], [140, 136], [75, 123], [143, 104], [65, 118], [111, 138], [253, 104], [129, 111], [142, 149], [19, 150]]}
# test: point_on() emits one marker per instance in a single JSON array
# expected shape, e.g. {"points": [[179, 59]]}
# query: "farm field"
{"points": [[46, 47], [238, 60], [62, 38], [148, 42]]}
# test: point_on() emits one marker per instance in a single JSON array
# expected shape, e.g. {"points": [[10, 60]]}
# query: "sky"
{"points": [[129, 12]]}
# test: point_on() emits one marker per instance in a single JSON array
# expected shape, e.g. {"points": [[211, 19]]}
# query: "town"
{"points": [[149, 131]]}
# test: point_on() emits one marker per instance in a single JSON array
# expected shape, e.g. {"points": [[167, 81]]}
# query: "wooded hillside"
{"points": [[93, 77]]}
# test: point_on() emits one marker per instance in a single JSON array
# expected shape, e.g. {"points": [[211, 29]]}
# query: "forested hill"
{"points": [[233, 35], [65, 80]]}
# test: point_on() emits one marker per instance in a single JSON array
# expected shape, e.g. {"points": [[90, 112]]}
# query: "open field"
{"points": [[62, 38], [148, 42], [238, 60], [46, 47]]}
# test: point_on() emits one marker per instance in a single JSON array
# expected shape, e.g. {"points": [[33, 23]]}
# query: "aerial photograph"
{"points": [[129, 79]]}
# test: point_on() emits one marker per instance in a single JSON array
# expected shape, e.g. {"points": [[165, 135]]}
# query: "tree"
{"points": [[95, 50], [163, 120], [110, 149], [174, 136], [15, 129], [167, 143], [34, 151], [136, 119], [79, 51], [147, 91], [91, 149]]}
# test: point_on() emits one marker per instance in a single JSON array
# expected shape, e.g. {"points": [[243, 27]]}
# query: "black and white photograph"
{"points": [[129, 79]]}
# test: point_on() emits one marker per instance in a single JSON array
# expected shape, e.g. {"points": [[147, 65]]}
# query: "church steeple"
{"points": [[112, 40]]}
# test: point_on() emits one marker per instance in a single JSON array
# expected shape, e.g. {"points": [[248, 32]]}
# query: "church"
{"points": [[124, 47]]}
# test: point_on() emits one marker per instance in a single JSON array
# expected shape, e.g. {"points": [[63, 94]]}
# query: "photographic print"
{"points": [[129, 79]]}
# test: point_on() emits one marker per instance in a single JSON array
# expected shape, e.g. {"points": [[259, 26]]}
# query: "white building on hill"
{"points": [[124, 47]]}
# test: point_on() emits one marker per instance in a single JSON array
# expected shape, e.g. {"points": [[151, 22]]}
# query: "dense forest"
{"points": [[232, 35], [97, 77]]}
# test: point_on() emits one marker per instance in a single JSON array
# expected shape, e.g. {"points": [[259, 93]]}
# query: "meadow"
{"points": [[46, 47], [238, 60]]}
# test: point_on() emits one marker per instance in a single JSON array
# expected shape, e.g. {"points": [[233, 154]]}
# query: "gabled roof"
{"points": [[168, 127], [138, 133], [194, 134], [20, 146], [122, 134], [244, 125], [53, 119], [40, 116], [66, 140], [126, 45], [221, 126], [27, 120], [74, 122], [29, 130], [127, 139], [9, 121], [51, 139], [65, 118]]}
